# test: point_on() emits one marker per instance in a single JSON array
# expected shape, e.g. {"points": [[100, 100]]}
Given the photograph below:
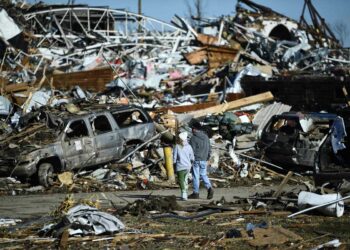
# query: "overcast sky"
{"points": [[332, 10]]}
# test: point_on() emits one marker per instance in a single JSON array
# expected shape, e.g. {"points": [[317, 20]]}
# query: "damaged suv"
{"points": [[294, 139], [64, 141]]}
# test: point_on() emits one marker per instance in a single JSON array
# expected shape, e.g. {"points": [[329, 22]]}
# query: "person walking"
{"points": [[201, 147], [183, 158]]}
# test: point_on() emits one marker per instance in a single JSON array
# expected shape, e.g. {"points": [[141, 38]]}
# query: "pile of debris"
{"points": [[165, 64], [92, 100], [89, 86]]}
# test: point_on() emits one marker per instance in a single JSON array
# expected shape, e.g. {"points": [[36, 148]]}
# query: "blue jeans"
{"points": [[199, 171]]}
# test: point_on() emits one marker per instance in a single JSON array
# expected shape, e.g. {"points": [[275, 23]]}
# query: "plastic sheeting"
{"points": [[248, 70]]}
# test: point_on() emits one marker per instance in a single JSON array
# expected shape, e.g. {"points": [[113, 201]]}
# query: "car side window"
{"points": [[77, 129], [101, 125], [129, 118]]}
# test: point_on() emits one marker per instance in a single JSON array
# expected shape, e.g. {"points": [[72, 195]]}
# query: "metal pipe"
{"points": [[127, 86], [258, 160], [141, 145], [265, 162]]}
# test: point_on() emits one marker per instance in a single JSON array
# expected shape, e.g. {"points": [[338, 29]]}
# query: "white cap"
{"points": [[183, 136]]}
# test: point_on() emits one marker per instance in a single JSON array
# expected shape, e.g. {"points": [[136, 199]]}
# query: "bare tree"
{"points": [[195, 11], [341, 30]]}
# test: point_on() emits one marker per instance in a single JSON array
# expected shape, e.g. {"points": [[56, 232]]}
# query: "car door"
{"points": [[78, 145], [105, 138]]}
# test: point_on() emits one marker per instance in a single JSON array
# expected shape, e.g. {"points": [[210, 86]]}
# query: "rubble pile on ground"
{"points": [[64, 62], [92, 99]]}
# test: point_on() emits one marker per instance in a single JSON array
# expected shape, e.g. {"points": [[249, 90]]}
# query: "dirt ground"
{"points": [[146, 231]]}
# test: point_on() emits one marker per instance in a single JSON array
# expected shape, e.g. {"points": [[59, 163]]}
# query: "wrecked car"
{"points": [[65, 141], [292, 139], [333, 158]]}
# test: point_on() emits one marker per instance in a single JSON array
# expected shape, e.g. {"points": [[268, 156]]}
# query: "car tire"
{"points": [[45, 174]]}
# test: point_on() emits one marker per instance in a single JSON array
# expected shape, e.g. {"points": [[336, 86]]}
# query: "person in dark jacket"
{"points": [[201, 148]]}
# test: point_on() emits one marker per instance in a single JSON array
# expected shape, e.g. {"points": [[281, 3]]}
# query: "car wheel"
{"points": [[45, 174]]}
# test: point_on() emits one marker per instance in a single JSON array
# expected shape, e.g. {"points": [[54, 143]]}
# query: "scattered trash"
{"points": [[9, 222], [233, 233], [333, 243], [92, 98], [152, 203]]}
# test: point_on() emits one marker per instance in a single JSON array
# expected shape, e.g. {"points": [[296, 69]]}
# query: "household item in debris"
{"points": [[308, 199]]}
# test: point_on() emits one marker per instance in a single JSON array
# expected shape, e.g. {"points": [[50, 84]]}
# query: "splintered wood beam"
{"points": [[278, 192], [264, 97]]}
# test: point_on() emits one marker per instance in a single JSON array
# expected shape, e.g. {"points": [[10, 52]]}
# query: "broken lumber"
{"points": [[278, 174], [267, 163], [278, 192], [273, 236], [241, 212], [264, 97], [214, 55], [166, 134]]}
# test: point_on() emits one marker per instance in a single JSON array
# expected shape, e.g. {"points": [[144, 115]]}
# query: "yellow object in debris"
{"points": [[65, 205], [92, 201], [168, 156], [66, 178]]}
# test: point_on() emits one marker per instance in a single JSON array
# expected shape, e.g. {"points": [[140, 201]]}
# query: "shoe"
{"points": [[193, 196], [210, 193], [184, 196]]}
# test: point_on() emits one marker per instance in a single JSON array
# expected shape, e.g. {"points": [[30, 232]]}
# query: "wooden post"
{"points": [[283, 183]]}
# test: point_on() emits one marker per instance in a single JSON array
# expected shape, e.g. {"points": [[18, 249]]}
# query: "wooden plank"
{"points": [[93, 80], [23, 134], [278, 174], [240, 212], [264, 97], [278, 192], [215, 55], [197, 56], [16, 87], [198, 106], [207, 39], [187, 108], [64, 239]]}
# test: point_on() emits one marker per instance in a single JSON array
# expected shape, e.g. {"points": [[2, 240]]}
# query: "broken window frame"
{"points": [[66, 131], [143, 117], [98, 131]]}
